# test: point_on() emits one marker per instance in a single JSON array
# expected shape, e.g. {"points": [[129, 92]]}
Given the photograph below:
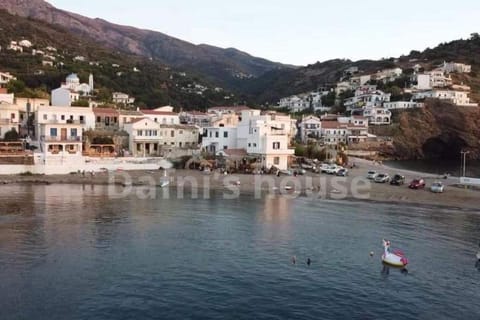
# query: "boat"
{"points": [[396, 258], [164, 181]]}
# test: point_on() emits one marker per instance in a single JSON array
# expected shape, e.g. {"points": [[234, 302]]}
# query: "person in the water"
{"points": [[294, 260], [309, 261]]}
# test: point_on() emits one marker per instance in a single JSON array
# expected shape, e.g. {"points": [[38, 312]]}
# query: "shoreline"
{"points": [[317, 187]]}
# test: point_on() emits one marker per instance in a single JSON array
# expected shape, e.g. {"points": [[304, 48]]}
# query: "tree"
{"points": [[11, 135], [329, 99], [15, 86]]}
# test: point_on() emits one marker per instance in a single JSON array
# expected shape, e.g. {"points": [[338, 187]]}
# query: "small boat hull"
{"points": [[394, 260]]}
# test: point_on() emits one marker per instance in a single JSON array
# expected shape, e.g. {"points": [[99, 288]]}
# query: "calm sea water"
{"points": [[439, 167], [70, 252]]}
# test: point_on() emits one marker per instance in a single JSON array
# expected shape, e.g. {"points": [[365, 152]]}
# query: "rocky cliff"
{"points": [[439, 131]]}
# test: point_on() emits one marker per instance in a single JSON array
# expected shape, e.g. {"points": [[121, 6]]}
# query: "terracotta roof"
{"points": [[178, 126], [130, 113], [231, 108], [333, 125], [160, 113], [235, 152], [105, 111]]}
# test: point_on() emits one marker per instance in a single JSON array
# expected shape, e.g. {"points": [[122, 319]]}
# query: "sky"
{"points": [[297, 32]]}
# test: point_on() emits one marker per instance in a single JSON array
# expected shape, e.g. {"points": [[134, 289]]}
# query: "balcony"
{"points": [[60, 139], [58, 121], [8, 121]]}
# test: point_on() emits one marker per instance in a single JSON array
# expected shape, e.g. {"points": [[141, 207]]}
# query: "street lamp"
{"points": [[463, 163]]}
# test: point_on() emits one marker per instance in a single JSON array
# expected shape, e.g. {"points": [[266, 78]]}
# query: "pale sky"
{"points": [[297, 32]]}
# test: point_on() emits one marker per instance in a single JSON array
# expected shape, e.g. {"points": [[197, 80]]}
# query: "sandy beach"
{"points": [[319, 186]]}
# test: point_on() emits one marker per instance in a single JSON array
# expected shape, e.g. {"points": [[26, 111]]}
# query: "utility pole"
{"points": [[464, 162]]}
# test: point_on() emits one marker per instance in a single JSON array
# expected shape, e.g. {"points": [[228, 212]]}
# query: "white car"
{"points": [[333, 169], [324, 167], [437, 187], [382, 178], [371, 174]]}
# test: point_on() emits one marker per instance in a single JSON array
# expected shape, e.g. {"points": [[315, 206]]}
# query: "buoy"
{"points": [[371, 253]]}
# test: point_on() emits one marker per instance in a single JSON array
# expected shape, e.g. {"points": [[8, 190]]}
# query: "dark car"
{"points": [[397, 180], [417, 184]]}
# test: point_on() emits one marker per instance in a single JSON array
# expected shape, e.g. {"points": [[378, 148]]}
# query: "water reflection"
{"points": [[386, 269]]}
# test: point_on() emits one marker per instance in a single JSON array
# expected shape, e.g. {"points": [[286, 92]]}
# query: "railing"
{"points": [[60, 139], [58, 121]]}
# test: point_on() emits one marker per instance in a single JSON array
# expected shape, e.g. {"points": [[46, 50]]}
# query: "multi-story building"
{"points": [[459, 98], [9, 118], [403, 105], [310, 128], [179, 136], [5, 78], [161, 117], [450, 67], [144, 137], [366, 99], [344, 130], [377, 116], [106, 118], [123, 98], [264, 136]]}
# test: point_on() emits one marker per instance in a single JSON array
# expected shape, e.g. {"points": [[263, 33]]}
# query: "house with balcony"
{"points": [[122, 98], [144, 137], [59, 133], [310, 128], [366, 99], [345, 130], [128, 116], [459, 98], [266, 137], [179, 137], [106, 118], [378, 116], [196, 118]]}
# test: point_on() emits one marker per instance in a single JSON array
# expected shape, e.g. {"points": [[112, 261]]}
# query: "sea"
{"points": [[76, 252], [440, 167]]}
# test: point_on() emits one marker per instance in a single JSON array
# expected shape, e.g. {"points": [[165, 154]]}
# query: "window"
{"points": [[156, 120], [210, 134], [45, 117], [180, 144], [172, 133], [225, 134], [139, 133], [53, 132], [12, 116], [276, 145], [99, 119], [225, 147], [73, 132], [249, 145], [276, 161], [216, 134], [180, 132], [254, 145], [62, 117]]}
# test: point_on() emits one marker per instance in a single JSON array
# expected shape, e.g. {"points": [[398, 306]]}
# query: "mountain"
{"points": [[222, 66], [152, 83]]}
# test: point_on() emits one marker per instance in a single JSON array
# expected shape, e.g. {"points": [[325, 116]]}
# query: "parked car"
{"points": [[324, 167], [382, 178], [333, 169], [437, 187], [284, 173], [397, 180], [371, 174], [342, 172], [297, 171], [417, 184]]}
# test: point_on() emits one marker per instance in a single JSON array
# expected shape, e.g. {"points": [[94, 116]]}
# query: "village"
{"points": [[71, 132]]}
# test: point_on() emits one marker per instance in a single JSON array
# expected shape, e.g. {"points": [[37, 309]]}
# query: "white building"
{"points": [[438, 79], [459, 98], [344, 130], [123, 98], [25, 43], [5, 78], [179, 136], [302, 102], [388, 75], [144, 137], [366, 99], [6, 97], [264, 136], [377, 116], [59, 115], [310, 127], [196, 118], [423, 81], [403, 105], [14, 46], [64, 97], [9, 118], [161, 117], [450, 67], [72, 82]]}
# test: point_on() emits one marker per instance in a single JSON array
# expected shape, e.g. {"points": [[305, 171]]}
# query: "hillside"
{"points": [[156, 84], [438, 131], [280, 83], [221, 66]]}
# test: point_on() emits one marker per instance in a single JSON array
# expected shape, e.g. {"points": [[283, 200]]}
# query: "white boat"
{"points": [[395, 258], [164, 181]]}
